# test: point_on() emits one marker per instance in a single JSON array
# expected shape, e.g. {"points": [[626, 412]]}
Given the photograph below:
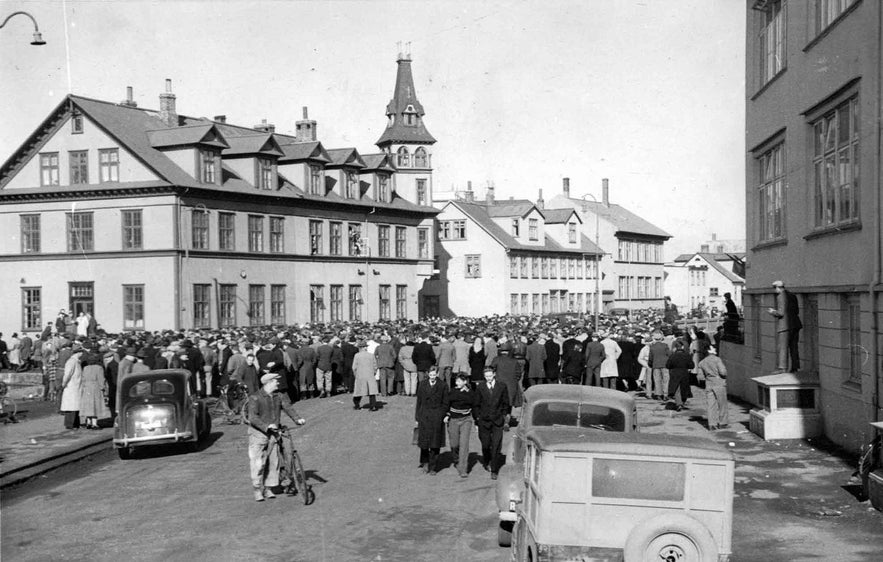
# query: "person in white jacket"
{"points": [[609, 370]]}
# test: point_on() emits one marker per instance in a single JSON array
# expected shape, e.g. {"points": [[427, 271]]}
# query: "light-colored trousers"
{"points": [[262, 449], [459, 431]]}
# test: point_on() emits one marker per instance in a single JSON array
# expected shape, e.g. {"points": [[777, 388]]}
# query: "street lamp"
{"points": [[38, 37], [597, 262]]}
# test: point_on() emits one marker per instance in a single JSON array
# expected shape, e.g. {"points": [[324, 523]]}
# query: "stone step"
{"points": [[26, 378]]}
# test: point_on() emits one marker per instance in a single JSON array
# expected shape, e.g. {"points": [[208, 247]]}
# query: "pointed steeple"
{"points": [[404, 111]]}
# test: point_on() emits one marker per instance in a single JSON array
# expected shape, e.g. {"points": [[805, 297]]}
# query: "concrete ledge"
{"points": [[12, 473]]}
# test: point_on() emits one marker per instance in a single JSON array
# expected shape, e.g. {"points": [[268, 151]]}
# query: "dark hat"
{"points": [[274, 341], [142, 353], [186, 343], [131, 351], [506, 347]]}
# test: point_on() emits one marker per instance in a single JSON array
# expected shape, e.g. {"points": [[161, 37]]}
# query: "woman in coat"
{"points": [[432, 407], [93, 391], [477, 359], [70, 395], [364, 372]]}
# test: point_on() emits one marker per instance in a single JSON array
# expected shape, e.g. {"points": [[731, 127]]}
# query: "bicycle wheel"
{"points": [[306, 493]]}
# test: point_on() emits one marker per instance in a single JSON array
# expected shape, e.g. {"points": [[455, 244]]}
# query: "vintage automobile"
{"points": [[157, 408], [565, 407], [624, 496]]}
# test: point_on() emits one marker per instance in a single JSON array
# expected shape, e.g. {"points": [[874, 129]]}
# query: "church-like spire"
{"points": [[404, 111]]}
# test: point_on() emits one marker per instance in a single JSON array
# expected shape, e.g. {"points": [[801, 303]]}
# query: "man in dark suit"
{"points": [[490, 415], [552, 364], [788, 327]]}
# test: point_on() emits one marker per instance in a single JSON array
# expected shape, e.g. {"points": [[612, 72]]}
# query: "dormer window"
{"points": [[76, 123], [315, 180], [404, 157], [533, 229], [516, 227], [382, 189], [571, 232], [207, 167], [420, 159], [265, 173], [352, 186], [410, 115]]}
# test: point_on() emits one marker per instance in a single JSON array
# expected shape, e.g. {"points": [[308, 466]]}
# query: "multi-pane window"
{"points": [[256, 305], [336, 297], [459, 230], [623, 287], [657, 281], [579, 267], [277, 304], [423, 243], [76, 123], [771, 193], [571, 232], [207, 171], [579, 303], [227, 305], [79, 166], [836, 166], [544, 268], [401, 241], [855, 350], [133, 307], [444, 230], [553, 268], [354, 234], [571, 268], [255, 233], [384, 302], [473, 266], [516, 227], [352, 186], [265, 173], [49, 169], [109, 164], [712, 291], [315, 237], [80, 234], [199, 230], [513, 303], [277, 235], [315, 180], [404, 157], [553, 302], [132, 229], [829, 10], [545, 302], [317, 303], [421, 192], [355, 294], [401, 302], [535, 303], [335, 238], [534, 267], [525, 303], [533, 229], [383, 241], [513, 267], [420, 158], [772, 40], [30, 234], [523, 268], [383, 189], [202, 305], [31, 307], [227, 231]]}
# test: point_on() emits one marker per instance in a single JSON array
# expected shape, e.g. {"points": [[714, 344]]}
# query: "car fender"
{"points": [[509, 486]]}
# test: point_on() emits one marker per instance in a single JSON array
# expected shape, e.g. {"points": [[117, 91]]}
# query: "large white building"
{"points": [[701, 278]]}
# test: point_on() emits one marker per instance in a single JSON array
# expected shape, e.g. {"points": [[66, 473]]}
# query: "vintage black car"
{"points": [[157, 408]]}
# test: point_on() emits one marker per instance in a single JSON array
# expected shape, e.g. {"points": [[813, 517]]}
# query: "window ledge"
{"points": [[768, 83], [835, 229], [769, 244], [852, 386], [824, 33]]}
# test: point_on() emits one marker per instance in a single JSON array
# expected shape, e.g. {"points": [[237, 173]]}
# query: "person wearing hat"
{"points": [[364, 369], [595, 356], [70, 388], [265, 409], [659, 354], [508, 373], [788, 328], [140, 365]]}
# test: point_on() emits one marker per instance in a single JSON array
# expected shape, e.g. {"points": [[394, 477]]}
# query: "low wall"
{"points": [[741, 368]]}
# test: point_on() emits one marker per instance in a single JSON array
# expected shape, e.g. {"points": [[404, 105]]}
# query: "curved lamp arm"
{"points": [[38, 37]]}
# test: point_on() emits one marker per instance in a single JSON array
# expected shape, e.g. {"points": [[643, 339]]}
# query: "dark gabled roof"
{"points": [[203, 134], [345, 157], [304, 151], [404, 100], [560, 216], [624, 220], [260, 144], [510, 208], [380, 162], [726, 256]]}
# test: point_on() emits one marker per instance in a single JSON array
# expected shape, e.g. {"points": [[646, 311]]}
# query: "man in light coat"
{"points": [[609, 370]]}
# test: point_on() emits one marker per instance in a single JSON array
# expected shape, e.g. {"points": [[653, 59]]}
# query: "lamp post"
{"points": [[597, 262], [38, 37]]}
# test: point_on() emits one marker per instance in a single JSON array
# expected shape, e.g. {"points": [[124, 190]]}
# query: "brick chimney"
{"points": [[129, 101], [305, 129], [605, 192], [220, 118], [469, 195], [489, 196], [167, 110], [541, 204], [566, 182], [265, 127]]}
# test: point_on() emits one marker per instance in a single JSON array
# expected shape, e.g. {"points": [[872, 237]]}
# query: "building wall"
{"points": [[683, 290]]}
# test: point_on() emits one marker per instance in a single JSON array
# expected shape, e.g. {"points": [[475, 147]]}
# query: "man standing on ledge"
{"points": [[787, 328]]}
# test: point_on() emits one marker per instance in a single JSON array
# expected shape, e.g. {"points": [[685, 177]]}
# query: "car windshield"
{"points": [[576, 414]]}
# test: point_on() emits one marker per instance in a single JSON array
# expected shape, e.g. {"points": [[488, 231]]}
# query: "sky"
{"points": [[649, 93]]}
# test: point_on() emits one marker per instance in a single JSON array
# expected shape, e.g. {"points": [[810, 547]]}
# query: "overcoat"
{"points": [[506, 368], [364, 367], [612, 352], [432, 406], [536, 358], [93, 390], [73, 377]]}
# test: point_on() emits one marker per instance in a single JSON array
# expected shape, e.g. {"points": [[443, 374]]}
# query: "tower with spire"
{"points": [[406, 138]]}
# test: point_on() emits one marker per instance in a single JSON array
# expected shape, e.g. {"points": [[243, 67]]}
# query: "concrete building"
{"points": [[813, 201], [153, 220], [511, 256], [703, 278], [632, 270]]}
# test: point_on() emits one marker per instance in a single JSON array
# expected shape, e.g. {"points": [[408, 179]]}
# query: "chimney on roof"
{"points": [[129, 101], [469, 195], [167, 110], [605, 192], [220, 118], [541, 204], [305, 129], [489, 197], [265, 127], [566, 182]]}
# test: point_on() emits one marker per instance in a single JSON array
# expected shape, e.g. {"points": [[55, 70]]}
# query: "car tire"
{"points": [[681, 536], [504, 533], [125, 453]]}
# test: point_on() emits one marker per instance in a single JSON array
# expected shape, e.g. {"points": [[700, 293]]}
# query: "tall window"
{"points": [[421, 192], [544, 268], [513, 267], [256, 305], [383, 241], [354, 234], [316, 180], [523, 268], [202, 305], [277, 304], [384, 302], [401, 241], [623, 287], [317, 303], [571, 268], [553, 268], [420, 159], [855, 350], [227, 305], [459, 230], [533, 229], [132, 233], [534, 268], [31, 307], [829, 10], [401, 302], [277, 235], [355, 294], [772, 40], [336, 297], [836, 166], [544, 299], [315, 237], [535, 303], [571, 232], [227, 231], [133, 307], [513, 303], [383, 189], [109, 164], [771, 194], [49, 169], [423, 243], [199, 230], [516, 227], [207, 170], [76, 123], [352, 186], [553, 302], [80, 235], [265, 173], [473, 266], [404, 158], [335, 238], [255, 233], [30, 234], [444, 230], [79, 166]]}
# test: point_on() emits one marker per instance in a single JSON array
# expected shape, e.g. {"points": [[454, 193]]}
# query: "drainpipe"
{"points": [[878, 229], [178, 272]]}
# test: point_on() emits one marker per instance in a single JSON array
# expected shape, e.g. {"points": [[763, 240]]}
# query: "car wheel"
{"points": [[125, 453], [504, 533], [671, 538]]}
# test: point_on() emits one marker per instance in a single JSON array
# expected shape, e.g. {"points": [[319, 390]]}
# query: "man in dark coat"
{"points": [[572, 361], [788, 328], [508, 372], [423, 357], [553, 359], [348, 350], [490, 416], [536, 358], [595, 355], [431, 409]]}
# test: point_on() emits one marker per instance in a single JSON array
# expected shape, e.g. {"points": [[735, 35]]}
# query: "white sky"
{"points": [[649, 93]]}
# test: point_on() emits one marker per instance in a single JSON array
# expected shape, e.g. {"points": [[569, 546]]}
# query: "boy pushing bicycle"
{"points": [[264, 414]]}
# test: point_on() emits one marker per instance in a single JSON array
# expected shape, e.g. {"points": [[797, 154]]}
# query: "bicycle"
{"points": [[8, 407], [235, 394], [291, 470]]}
